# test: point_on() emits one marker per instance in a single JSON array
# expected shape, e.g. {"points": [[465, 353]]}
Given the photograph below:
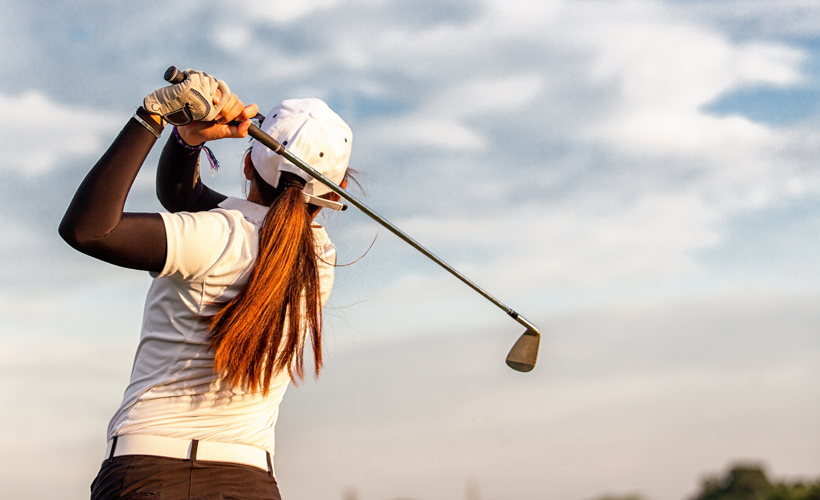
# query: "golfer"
{"points": [[238, 289]]}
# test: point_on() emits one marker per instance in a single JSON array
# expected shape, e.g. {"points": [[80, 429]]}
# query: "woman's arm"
{"points": [[179, 185], [95, 223]]}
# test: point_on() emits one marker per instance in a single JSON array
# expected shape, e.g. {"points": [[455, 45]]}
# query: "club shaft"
{"points": [[276, 147]]}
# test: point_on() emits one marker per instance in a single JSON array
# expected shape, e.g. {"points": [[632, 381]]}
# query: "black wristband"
{"points": [[147, 120]]}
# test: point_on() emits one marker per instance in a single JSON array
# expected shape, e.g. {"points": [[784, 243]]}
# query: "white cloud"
{"points": [[758, 17], [665, 71], [525, 16], [233, 38], [664, 132], [482, 97], [283, 11], [424, 130], [442, 122], [769, 63], [670, 176], [652, 239], [40, 134]]}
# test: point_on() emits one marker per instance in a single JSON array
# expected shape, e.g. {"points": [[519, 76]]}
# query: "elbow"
{"points": [[70, 233], [77, 238]]}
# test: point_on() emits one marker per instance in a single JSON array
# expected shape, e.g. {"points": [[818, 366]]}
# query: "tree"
{"points": [[749, 482]]}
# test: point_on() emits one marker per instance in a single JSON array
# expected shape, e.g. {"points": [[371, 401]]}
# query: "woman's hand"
{"points": [[234, 110], [182, 102]]}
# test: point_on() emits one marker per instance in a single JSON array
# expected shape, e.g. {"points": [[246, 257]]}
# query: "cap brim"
{"points": [[322, 202]]}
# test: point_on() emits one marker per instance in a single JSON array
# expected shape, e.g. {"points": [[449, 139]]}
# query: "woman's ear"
{"points": [[335, 197], [248, 170]]}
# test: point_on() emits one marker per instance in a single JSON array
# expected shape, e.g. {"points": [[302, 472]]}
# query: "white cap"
{"points": [[309, 129]]}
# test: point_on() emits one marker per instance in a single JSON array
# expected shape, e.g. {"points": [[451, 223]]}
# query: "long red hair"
{"points": [[262, 331]]}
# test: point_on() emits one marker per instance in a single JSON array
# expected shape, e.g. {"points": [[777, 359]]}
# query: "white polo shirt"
{"points": [[174, 391]]}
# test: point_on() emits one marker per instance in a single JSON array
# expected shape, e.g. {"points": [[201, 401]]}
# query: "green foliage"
{"points": [[749, 482]]}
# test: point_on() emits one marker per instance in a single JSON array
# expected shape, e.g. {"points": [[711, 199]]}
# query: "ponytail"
{"points": [[262, 331]]}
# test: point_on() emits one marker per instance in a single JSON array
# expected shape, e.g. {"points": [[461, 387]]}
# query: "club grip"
{"points": [[173, 75]]}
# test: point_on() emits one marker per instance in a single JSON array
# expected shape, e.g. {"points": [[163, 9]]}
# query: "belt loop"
{"points": [[270, 464], [114, 447], [194, 446]]}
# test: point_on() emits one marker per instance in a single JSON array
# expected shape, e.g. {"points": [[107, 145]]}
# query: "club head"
{"points": [[524, 352]]}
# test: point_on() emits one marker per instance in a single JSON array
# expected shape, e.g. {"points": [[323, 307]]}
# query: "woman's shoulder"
{"points": [[237, 207], [201, 244]]}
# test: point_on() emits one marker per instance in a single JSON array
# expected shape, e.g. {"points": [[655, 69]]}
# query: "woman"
{"points": [[238, 289]]}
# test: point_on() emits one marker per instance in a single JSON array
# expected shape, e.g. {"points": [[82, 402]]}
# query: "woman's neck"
{"points": [[255, 197]]}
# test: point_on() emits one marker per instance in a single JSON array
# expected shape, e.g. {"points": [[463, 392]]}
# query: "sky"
{"points": [[636, 177]]}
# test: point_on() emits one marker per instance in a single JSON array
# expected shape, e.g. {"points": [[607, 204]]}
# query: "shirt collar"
{"points": [[253, 212]]}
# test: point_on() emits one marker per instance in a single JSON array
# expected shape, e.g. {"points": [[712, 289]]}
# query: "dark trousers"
{"points": [[159, 478]]}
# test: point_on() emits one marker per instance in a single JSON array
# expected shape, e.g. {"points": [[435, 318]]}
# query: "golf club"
{"points": [[524, 352]]}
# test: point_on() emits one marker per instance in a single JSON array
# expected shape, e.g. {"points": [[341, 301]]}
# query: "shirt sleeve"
{"points": [[196, 241]]}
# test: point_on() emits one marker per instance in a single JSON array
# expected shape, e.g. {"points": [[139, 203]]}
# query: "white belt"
{"points": [[187, 449]]}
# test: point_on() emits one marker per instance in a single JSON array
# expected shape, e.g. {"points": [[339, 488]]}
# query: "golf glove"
{"points": [[192, 99]]}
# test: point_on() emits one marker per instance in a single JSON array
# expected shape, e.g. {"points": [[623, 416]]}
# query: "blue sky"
{"points": [[638, 178]]}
